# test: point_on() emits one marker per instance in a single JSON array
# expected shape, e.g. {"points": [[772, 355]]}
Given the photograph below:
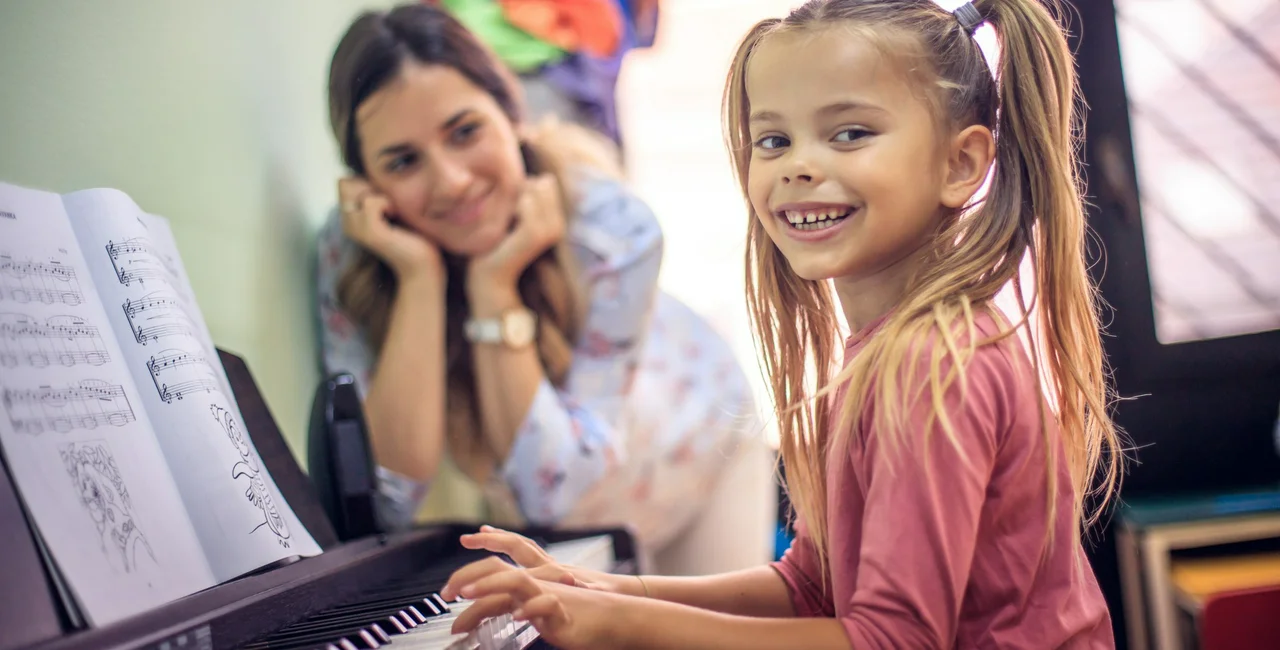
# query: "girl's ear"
{"points": [[969, 159]]}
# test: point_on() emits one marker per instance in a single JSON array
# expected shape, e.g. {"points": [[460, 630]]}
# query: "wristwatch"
{"points": [[515, 328]]}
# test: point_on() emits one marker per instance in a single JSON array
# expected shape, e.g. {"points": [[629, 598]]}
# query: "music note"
{"points": [[65, 340], [157, 315], [177, 373], [48, 282], [135, 260], [85, 405]]}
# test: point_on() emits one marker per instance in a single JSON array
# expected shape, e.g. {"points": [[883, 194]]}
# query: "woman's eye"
{"points": [[464, 133], [851, 135], [401, 162], [770, 142]]}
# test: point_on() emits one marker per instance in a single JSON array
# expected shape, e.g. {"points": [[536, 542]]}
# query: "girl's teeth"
{"points": [[817, 217]]}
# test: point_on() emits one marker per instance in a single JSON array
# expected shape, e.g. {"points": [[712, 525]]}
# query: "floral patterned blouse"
{"points": [[654, 403]]}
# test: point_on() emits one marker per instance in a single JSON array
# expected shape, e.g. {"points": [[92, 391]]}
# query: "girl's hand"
{"points": [[366, 218], [541, 565], [539, 225], [566, 617]]}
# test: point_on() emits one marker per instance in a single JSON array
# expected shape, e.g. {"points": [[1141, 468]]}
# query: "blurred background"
{"points": [[213, 115]]}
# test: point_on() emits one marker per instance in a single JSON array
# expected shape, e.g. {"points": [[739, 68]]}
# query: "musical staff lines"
{"points": [[85, 405], [177, 373], [157, 315], [65, 340], [135, 260], [28, 280]]}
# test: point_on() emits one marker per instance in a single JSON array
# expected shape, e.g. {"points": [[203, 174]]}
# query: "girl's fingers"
{"points": [[471, 573], [481, 609], [554, 573], [521, 549], [545, 611], [515, 583]]}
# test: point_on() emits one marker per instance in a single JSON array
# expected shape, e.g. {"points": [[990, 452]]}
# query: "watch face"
{"points": [[518, 328]]}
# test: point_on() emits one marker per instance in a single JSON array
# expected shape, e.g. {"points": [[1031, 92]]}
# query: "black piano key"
{"points": [[444, 607], [332, 628], [347, 620], [386, 605], [410, 594], [417, 615], [358, 638]]}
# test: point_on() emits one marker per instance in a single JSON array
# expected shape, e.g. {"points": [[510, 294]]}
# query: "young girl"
{"points": [[939, 476]]}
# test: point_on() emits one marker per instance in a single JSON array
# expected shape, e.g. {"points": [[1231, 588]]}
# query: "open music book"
{"points": [[117, 421]]}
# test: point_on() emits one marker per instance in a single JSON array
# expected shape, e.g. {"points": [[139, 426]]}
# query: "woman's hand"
{"points": [[565, 616], [366, 219], [539, 225]]}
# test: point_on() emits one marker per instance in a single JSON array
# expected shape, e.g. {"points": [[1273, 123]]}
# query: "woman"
{"points": [[494, 289]]}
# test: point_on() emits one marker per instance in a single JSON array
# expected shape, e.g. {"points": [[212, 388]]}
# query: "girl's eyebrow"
{"points": [[833, 108]]}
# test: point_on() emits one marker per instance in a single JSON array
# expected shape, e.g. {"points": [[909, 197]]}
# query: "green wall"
{"points": [[211, 114]]}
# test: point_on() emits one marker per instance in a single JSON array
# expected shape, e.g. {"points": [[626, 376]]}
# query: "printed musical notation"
{"points": [[135, 260], [85, 405], [177, 373], [96, 478], [157, 315], [65, 340], [27, 280]]}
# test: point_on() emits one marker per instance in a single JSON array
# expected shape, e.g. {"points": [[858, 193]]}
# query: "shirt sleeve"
{"points": [[923, 503], [343, 349], [800, 571], [572, 436]]}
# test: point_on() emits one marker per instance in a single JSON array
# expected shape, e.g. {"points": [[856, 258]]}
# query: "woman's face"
{"points": [[445, 155]]}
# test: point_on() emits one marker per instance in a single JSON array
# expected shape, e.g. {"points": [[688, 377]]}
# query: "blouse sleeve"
{"points": [[572, 436], [343, 349]]}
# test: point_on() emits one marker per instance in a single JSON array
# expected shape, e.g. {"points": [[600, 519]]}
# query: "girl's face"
{"points": [[847, 173], [445, 155]]}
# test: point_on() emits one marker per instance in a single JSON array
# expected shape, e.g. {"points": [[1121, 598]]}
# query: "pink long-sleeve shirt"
{"points": [[928, 551]]}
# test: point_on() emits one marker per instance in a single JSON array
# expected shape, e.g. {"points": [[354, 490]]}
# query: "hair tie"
{"points": [[969, 17]]}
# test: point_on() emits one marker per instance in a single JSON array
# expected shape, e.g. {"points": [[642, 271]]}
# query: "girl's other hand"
{"points": [[566, 617]]}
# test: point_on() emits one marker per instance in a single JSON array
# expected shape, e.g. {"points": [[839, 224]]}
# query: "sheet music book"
{"points": [[117, 421]]}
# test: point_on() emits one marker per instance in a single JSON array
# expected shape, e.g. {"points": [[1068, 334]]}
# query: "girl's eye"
{"points": [[464, 133], [772, 142], [851, 135]]}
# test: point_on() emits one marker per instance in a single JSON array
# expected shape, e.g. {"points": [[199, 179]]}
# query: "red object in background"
{"points": [[590, 26], [1241, 620]]}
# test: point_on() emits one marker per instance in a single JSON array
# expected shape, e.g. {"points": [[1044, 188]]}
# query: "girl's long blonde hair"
{"points": [[1033, 208]]}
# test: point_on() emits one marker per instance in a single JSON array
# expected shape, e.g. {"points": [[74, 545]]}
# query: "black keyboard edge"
{"points": [[233, 613]]}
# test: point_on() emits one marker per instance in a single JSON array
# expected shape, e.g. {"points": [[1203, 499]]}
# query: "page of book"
{"points": [[243, 522], [75, 434]]}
